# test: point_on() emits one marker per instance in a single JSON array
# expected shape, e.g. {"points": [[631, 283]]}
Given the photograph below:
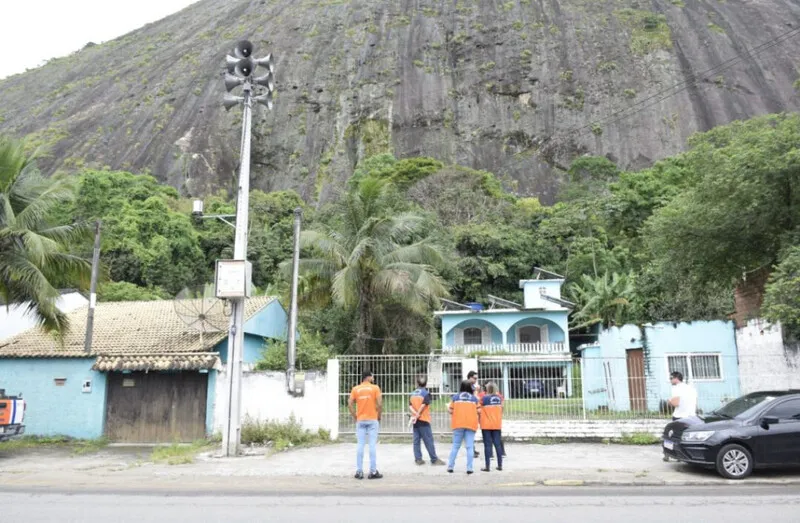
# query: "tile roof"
{"points": [[125, 328], [155, 362]]}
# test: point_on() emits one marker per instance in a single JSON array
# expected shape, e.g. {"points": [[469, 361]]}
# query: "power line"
{"points": [[683, 85]]}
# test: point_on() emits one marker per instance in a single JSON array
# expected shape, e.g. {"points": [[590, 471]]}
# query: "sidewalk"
{"points": [[329, 469]]}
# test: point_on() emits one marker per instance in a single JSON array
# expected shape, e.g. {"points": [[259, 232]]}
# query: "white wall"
{"points": [[16, 319], [765, 362], [264, 397]]}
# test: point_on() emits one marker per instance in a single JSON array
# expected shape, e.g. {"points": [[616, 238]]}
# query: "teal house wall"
{"points": [[605, 371], [269, 322], [57, 410]]}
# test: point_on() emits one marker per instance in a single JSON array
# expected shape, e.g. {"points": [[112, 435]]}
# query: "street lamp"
{"points": [[240, 69], [198, 214]]}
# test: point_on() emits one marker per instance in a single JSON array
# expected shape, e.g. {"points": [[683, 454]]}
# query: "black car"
{"points": [[761, 429]]}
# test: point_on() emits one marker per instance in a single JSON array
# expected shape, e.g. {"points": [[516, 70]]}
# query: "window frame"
{"points": [[688, 358], [464, 336], [544, 334]]}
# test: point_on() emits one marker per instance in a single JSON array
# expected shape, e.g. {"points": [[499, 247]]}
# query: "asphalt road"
{"points": [[728, 504]]}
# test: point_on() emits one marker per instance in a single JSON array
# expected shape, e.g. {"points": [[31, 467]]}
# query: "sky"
{"points": [[59, 27]]}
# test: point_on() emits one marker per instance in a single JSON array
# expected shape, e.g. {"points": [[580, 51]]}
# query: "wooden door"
{"points": [[637, 390], [156, 407]]}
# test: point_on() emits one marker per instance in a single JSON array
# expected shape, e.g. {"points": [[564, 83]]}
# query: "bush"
{"points": [[312, 353], [281, 435]]}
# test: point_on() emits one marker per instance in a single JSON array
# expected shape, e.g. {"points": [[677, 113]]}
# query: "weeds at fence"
{"points": [[281, 436], [637, 438], [179, 453]]}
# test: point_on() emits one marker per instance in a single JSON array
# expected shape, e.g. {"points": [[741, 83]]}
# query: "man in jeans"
{"points": [[365, 406], [420, 407]]}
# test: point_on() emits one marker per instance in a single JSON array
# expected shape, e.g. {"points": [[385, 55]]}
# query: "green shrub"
{"points": [[281, 435]]}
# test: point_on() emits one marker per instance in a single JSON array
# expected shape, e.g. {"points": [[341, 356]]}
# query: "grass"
{"points": [[179, 454], [649, 31], [637, 438], [282, 435], [77, 446]]}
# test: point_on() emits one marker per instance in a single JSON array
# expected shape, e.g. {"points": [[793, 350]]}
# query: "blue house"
{"points": [[523, 346], [628, 369], [151, 374]]}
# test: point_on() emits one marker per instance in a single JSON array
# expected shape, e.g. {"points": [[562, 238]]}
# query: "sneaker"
{"points": [[477, 454], [419, 462], [438, 462], [450, 471], [375, 475], [486, 469], [359, 475]]}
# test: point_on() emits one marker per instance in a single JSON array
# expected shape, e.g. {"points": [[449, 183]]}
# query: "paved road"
{"points": [[729, 504]]}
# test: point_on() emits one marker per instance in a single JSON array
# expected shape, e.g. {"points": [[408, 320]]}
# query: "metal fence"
{"points": [[539, 388]]}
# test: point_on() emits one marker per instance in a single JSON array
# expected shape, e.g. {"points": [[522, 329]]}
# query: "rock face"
{"points": [[515, 87]]}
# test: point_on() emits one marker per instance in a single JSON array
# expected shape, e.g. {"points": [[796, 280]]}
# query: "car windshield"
{"points": [[743, 407]]}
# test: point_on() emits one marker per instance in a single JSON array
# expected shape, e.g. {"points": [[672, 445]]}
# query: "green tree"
{"points": [[312, 353], [34, 250], [371, 259], [126, 291], [607, 300], [782, 296]]}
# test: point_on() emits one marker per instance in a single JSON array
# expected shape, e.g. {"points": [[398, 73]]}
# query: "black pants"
{"points": [[492, 438]]}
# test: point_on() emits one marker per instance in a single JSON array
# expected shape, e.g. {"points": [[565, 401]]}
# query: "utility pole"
{"points": [[291, 346], [87, 343], [240, 71]]}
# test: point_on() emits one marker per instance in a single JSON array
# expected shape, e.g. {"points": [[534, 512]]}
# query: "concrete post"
{"points": [[332, 399]]}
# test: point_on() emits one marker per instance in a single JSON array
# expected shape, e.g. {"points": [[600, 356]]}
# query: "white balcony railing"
{"points": [[509, 348]]}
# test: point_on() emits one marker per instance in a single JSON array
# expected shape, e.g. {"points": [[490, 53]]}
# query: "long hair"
{"points": [[491, 388], [466, 386]]}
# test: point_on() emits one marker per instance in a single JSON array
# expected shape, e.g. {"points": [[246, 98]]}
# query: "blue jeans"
{"points": [[423, 432], [468, 437], [492, 437], [367, 430]]}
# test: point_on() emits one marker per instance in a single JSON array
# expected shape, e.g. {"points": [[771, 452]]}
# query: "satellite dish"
{"points": [[201, 310]]}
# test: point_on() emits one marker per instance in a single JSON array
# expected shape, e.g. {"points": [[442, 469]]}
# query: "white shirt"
{"points": [[687, 405]]}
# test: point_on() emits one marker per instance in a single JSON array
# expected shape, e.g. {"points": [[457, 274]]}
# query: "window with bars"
{"points": [[696, 367], [473, 336]]}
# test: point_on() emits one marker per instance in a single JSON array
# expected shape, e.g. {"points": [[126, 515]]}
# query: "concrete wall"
{"points": [[264, 397], [605, 373], [581, 429], [57, 410], [765, 362], [532, 293]]}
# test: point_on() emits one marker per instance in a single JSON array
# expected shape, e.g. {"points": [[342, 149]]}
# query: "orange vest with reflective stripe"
{"points": [[465, 412], [491, 412]]}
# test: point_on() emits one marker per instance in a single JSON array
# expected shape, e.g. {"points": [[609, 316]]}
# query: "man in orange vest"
{"points": [[365, 405], [420, 407]]}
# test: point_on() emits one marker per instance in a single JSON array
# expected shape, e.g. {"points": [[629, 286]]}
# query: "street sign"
{"points": [[233, 279]]}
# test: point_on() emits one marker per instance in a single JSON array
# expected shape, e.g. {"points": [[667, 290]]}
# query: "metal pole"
{"points": [[87, 343], [291, 346], [232, 432]]}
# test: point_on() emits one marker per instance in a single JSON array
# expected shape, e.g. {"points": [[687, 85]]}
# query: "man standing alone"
{"points": [[420, 406], [365, 406], [684, 397]]}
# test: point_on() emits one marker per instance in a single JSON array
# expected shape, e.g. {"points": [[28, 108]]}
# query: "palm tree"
{"points": [[603, 299], [371, 260], [34, 257]]}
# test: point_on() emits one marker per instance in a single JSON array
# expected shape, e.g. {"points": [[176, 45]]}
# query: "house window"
{"points": [[530, 334], [473, 336], [696, 367]]}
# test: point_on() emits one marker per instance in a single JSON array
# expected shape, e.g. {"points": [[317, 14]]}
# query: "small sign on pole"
{"points": [[232, 279]]}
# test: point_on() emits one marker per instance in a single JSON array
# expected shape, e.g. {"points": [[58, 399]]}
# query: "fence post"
{"points": [[332, 400]]}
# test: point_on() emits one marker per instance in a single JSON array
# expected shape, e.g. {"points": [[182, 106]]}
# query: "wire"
{"points": [[683, 85]]}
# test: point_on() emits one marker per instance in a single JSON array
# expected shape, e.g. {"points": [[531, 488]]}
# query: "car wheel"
{"points": [[734, 462]]}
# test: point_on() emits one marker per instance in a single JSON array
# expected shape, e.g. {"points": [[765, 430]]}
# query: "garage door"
{"points": [[156, 407]]}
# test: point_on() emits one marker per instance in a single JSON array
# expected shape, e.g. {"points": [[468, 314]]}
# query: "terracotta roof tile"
{"points": [[156, 362], [124, 328]]}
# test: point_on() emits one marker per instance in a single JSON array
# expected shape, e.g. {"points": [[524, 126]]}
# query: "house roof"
{"points": [[178, 361], [124, 329]]}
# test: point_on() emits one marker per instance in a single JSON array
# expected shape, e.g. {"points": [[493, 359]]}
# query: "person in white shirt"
{"points": [[684, 397]]}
